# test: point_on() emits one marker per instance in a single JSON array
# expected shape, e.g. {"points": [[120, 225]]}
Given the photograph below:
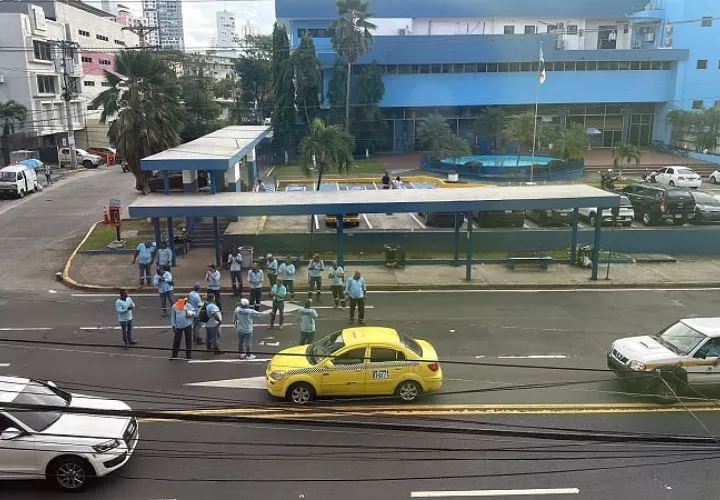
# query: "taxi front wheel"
{"points": [[300, 393], [408, 391]]}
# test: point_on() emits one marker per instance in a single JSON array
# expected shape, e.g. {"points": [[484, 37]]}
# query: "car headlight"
{"points": [[277, 375], [106, 446], [636, 366]]}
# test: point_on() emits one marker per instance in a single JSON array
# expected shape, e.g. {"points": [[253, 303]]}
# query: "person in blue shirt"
{"points": [[212, 326], [256, 277], [315, 272], [286, 272], [144, 257], [337, 284], [356, 291], [234, 262], [196, 301], [183, 315], [271, 265], [212, 282], [163, 281], [278, 294], [243, 319], [124, 307], [308, 315], [164, 255]]}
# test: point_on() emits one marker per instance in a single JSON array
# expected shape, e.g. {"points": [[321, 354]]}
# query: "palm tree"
{"points": [[522, 129], [490, 124], [143, 106], [706, 128], [624, 153], [352, 38], [327, 146], [681, 122], [11, 112], [454, 146], [431, 133]]}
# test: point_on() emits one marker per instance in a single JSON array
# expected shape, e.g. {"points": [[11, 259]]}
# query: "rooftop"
{"points": [[708, 326], [362, 335]]}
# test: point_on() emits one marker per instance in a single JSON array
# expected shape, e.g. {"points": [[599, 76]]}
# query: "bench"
{"points": [[539, 259]]}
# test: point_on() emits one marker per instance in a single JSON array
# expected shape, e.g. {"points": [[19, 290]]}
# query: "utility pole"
{"points": [[141, 31], [68, 49]]}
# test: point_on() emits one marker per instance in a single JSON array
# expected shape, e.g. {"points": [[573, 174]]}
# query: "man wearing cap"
{"points": [[315, 272], [243, 320], [196, 301], [212, 282], [182, 323], [235, 264], [271, 264], [278, 294], [286, 272], [255, 278]]}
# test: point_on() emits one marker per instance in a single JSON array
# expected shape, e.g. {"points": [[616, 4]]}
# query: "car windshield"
{"points": [[625, 202], [705, 198], [411, 344], [324, 347], [39, 394], [8, 176], [680, 338]]}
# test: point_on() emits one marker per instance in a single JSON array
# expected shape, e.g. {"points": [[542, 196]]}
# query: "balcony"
{"points": [[653, 13]]}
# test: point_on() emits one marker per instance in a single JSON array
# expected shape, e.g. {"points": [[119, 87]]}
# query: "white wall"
{"points": [[96, 25]]}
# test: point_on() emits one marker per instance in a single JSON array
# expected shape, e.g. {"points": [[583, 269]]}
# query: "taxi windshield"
{"points": [[680, 338], [325, 347], [8, 176]]}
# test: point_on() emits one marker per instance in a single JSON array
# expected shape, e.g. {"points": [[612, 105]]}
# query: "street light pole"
{"points": [[67, 65]]}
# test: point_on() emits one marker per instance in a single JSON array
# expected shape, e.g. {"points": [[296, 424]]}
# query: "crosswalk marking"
{"points": [[236, 383]]}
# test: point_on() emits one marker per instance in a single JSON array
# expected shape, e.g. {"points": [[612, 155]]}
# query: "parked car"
{"points": [[66, 449], [504, 218], [109, 155], [558, 216], [715, 177], [440, 219], [707, 207], [653, 203], [625, 214], [18, 180], [82, 157], [157, 181], [676, 177]]}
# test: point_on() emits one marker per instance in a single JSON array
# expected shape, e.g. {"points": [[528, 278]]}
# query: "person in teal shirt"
{"points": [[286, 272], [278, 294], [271, 264], [356, 291], [163, 281], [256, 278], [124, 307], [308, 315], [337, 284], [144, 257]]}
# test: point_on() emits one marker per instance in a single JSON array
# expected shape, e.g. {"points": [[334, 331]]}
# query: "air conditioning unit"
{"points": [[650, 37], [668, 28], [667, 42], [637, 44], [403, 32], [559, 44]]}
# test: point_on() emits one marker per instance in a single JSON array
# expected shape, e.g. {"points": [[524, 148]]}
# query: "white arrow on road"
{"points": [[234, 383]]}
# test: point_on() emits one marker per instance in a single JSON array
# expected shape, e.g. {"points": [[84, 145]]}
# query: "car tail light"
{"points": [[433, 366], [663, 207]]}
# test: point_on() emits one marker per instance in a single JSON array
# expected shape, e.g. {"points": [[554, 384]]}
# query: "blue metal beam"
{"points": [[156, 225], [468, 248], [166, 182], [171, 239], [596, 244], [216, 234], [458, 223], [573, 241], [339, 223]]}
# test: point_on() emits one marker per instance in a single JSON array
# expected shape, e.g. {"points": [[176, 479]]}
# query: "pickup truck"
{"points": [[625, 216], [87, 160]]}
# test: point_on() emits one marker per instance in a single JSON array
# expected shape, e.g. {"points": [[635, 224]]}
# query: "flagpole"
{"points": [[537, 100]]}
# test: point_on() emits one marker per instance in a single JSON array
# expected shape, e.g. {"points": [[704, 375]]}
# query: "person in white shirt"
{"points": [[337, 284], [398, 184], [235, 264], [286, 272]]}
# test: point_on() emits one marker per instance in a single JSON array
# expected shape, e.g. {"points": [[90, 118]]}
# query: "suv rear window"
{"points": [[677, 194]]}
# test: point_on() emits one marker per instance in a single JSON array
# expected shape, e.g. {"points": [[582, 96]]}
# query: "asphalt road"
{"points": [[284, 457]]}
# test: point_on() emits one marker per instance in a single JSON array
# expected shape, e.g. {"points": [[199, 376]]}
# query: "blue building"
{"points": [[617, 66]]}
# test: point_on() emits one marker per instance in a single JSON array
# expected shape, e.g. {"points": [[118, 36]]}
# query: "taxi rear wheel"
{"points": [[408, 391], [300, 393]]}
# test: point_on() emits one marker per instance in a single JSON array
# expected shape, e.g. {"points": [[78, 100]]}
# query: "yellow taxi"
{"points": [[348, 220], [367, 361]]}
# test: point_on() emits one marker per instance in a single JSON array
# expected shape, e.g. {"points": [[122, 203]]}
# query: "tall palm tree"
{"points": [[143, 106], [706, 129], [624, 153], [11, 112], [454, 146], [352, 38], [431, 133], [328, 146], [490, 124], [522, 129], [681, 122]]}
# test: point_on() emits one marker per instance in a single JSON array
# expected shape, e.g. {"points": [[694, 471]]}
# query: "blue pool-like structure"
{"points": [[500, 160], [338, 186], [500, 168]]}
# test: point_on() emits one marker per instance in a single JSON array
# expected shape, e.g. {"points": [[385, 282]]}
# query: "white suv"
{"points": [[66, 448]]}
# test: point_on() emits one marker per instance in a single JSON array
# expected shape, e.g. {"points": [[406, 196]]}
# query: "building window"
{"points": [[530, 30], [104, 62], [89, 83], [86, 59], [701, 64], [317, 33], [42, 51], [84, 33], [102, 37], [551, 28], [706, 22], [46, 84], [106, 84], [698, 104], [509, 30], [572, 29], [119, 42]]}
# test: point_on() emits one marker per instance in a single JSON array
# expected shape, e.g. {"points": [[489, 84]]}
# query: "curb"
{"points": [[68, 265]]}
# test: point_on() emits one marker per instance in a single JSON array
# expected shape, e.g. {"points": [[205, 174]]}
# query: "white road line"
{"points": [[332, 307], [4, 365], [163, 327], [28, 329], [317, 223], [205, 361], [237, 383], [417, 220], [376, 188], [367, 221], [537, 356], [494, 493], [112, 295], [413, 185]]}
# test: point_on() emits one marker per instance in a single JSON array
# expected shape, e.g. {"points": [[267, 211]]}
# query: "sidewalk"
{"points": [[107, 272]]}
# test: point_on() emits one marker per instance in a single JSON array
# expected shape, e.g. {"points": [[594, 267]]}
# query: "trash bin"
{"points": [[389, 254], [394, 256], [247, 256]]}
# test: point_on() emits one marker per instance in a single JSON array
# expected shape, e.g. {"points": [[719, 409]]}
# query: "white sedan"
{"points": [[675, 176], [715, 177], [67, 449]]}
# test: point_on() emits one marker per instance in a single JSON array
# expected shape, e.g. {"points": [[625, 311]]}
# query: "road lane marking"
{"points": [[494, 493], [163, 327], [367, 221], [28, 329], [4, 365], [204, 361], [417, 220], [333, 307], [237, 383], [317, 223], [536, 356]]}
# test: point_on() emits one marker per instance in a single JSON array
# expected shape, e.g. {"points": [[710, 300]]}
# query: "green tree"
{"points": [[254, 70], [454, 147], [308, 78], [370, 126], [11, 113], [522, 129], [706, 130], [337, 93], [491, 124], [352, 38], [431, 134], [201, 109], [144, 108], [282, 70], [225, 88], [326, 146], [682, 122], [624, 153], [573, 142]]}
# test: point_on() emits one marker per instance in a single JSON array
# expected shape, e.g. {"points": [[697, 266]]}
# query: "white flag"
{"points": [[541, 73]]}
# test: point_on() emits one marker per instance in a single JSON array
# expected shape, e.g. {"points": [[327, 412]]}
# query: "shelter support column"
{"points": [[468, 247], [596, 245], [216, 234], [458, 223], [156, 226], [234, 182], [573, 241], [190, 185], [171, 239], [213, 182], [252, 167], [339, 226], [166, 181]]}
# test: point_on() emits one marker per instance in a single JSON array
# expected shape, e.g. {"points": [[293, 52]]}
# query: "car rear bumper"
{"points": [[708, 217]]}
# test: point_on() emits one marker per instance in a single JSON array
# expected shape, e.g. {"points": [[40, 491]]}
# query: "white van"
{"points": [[18, 180]]}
